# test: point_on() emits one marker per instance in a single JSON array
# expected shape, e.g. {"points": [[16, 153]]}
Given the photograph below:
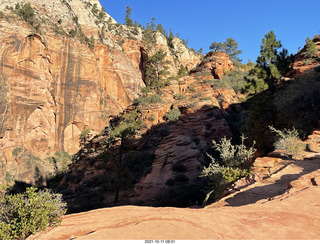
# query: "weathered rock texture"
{"points": [[177, 150], [302, 64], [54, 85], [214, 64], [281, 205]]}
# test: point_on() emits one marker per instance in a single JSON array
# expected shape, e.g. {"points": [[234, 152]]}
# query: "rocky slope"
{"points": [[302, 64], [282, 204], [65, 67]]}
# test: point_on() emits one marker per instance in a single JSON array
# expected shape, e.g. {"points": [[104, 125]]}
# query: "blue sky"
{"points": [[247, 21]]}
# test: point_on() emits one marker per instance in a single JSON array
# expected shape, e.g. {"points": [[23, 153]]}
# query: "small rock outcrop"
{"points": [[301, 63], [214, 64]]}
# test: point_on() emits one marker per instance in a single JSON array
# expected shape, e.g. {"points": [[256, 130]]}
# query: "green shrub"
{"points": [[179, 96], [192, 89], [205, 98], [26, 213], [182, 71], [232, 165], [288, 141], [234, 79], [233, 155], [153, 99], [84, 133], [26, 12], [208, 81], [310, 50], [173, 114]]}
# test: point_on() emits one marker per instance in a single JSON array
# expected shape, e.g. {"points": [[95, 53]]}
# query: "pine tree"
{"points": [[311, 50], [268, 57], [216, 46], [128, 20], [231, 49]]}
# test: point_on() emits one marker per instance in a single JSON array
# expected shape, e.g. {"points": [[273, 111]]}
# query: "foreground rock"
{"points": [[283, 205]]}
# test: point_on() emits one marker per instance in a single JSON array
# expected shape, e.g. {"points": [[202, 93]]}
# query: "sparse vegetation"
{"points": [[311, 50], [145, 100], [173, 114], [230, 47], [234, 79], [289, 141], [233, 163], [156, 70]]}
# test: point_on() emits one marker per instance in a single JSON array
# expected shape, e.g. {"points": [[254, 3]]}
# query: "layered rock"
{"points": [[302, 64], [73, 69], [214, 64], [282, 205]]}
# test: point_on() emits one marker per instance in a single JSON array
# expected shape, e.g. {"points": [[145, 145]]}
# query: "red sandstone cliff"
{"points": [[54, 85]]}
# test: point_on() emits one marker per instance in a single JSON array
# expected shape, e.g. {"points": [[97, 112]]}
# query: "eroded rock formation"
{"points": [[68, 68]]}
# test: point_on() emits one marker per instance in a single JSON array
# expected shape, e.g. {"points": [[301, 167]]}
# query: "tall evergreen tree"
{"points": [[311, 50], [128, 20], [231, 49], [268, 57]]}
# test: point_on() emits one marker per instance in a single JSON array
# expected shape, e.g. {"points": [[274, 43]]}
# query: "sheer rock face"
{"points": [[52, 85]]}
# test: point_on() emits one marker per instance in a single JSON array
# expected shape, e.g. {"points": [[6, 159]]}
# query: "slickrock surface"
{"points": [[283, 204]]}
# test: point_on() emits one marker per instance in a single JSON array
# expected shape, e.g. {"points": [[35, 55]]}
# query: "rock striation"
{"points": [[281, 203], [302, 64], [70, 67]]}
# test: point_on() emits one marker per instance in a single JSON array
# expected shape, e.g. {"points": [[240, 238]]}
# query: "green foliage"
{"points": [[173, 114], [179, 96], [153, 99], [297, 101], [26, 12], [62, 159], [208, 81], [26, 213], [271, 65], [84, 133], [310, 51], [233, 155], [205, 98], [128, 126], [255, 81], [234, 79], [162, 31], [156, 70], [284, 62], [233, 164], [128, 20], [230, 47], [191, 89], [182, 71], [288, 141], [270, 62]]}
